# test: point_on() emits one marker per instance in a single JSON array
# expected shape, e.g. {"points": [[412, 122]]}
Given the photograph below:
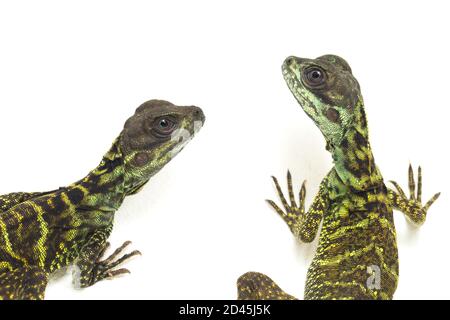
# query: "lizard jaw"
{"points": [[298, 91]]}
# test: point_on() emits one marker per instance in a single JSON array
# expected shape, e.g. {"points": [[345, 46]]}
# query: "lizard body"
{"points": [[43, 232], [357, 254]]}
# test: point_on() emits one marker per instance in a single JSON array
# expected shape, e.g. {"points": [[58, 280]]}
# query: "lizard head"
{"points": [[155, 134], [327, 92]]}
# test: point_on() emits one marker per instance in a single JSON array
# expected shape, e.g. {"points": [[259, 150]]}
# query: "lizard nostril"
{"points": [[289, 61], [198, 114]]}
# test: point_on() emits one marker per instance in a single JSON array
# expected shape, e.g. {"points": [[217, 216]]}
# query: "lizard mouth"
{"points": [[182, 136], [291, 82], [298, 90]]}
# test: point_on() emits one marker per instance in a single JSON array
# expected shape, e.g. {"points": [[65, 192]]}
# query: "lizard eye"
{"points": [[314, 77], [164, 123], [164, 126]]}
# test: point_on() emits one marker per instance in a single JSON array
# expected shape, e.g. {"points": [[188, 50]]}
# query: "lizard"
{"points": [[356, 256], [43, 232]]}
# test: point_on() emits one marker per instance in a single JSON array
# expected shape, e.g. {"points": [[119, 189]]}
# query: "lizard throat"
{"points": [[104, 188], [354, 162]]}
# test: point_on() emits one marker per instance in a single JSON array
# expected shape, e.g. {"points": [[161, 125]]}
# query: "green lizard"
{"points": [[43, 232], [357, 253]]}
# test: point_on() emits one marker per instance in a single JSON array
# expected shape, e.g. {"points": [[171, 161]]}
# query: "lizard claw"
{"points": [[115, 273], [104, 269]]}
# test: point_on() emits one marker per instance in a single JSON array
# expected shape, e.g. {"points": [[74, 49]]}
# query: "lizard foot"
{"points": [[293, 214], [104, 268], [87, 273], [412, 206], [258, 286]]}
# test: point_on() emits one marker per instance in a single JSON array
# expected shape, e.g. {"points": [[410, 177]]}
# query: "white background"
{"points": [[72, 72]]}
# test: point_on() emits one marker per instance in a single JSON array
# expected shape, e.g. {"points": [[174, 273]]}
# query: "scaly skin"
{"points": [[357, 253], [43, 232]]}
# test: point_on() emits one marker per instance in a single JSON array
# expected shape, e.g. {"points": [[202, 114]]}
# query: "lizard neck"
{"points": [[104, 188], [353, 159]]}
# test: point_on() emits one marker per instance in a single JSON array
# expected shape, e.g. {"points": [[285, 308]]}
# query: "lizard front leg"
{"points": [[304, 225], [411, 207], [89, 268], [258, 286]]}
